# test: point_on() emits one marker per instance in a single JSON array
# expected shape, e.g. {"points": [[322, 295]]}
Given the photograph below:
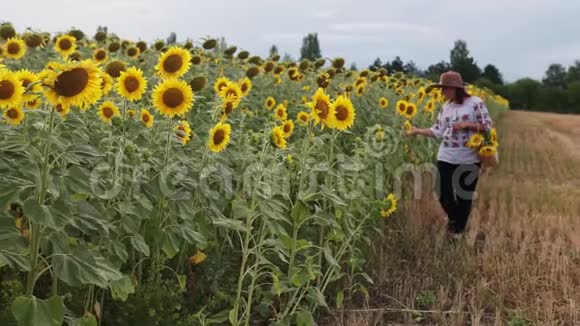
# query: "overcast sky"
{"points": [[520, 37]]}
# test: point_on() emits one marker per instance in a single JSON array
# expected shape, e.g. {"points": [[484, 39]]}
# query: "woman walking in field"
{"points": [[458, 165]]}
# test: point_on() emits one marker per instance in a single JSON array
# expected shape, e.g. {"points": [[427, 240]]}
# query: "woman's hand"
{"points": [[461, 126]]}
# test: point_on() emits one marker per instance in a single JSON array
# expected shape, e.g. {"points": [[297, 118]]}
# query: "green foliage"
{"points": [[310, 47]]}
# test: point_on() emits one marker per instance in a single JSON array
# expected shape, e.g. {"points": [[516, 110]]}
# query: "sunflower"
{"points": [[402, 106], [279, 137], [115, 68], [131, 84], [383, 102], [430, 106], [147, 118], [493, 137], [62, 109], [106, 84], [33, 102], [77, 84], [288, 127], [391, 206], [133, 52], [65, 45], [13, 116], [173, 97], [229, 105], [107, 111], [487, 151], [11, 89], [183, 131], [232, 93], [475, 141], [360, 89], [219, 137], [174, 63], [100, 55], [303, 118], [270, 103], [14, 48], [280, 112], [27, 77], [407, 125], [245, 86], [131, 113], [360, 81], [321, 108], [220, 84], [410, 110], [344, 113], [421, 95], [198, 258]]}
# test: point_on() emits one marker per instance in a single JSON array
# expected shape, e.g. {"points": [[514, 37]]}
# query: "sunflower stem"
{"points": [[36, 228]]}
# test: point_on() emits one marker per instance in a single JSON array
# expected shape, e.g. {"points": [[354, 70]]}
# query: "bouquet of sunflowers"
{"points": [[486, 145]]}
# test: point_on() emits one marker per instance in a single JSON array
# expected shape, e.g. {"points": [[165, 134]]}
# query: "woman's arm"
{"points": [[421, 131]]}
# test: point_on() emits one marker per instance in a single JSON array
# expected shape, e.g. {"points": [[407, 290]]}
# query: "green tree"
{"points": [[523, 94], [377, 64], [463, 63], [573, 72], [395, 65], [574, 96], [273, 51], [555, 76], [310, 47], [491, 73], [353, 67]]}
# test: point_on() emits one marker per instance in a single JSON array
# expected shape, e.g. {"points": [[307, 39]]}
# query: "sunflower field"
{"points": [[188, 184]]}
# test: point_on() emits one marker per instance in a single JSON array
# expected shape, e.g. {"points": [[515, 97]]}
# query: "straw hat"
{"points": [[448, 79]]}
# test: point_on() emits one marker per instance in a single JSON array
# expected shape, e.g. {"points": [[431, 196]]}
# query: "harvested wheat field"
{"points": [[520, 264]]}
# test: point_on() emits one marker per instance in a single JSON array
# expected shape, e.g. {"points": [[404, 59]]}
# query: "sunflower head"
{"points": [[344, 113], [338, 63], [278, 137], [100, 36], [270, 103], [288, 127], [252, 72], [142, 46], [383, 102], [493, 136], [268, 66], [107, 111], [245, 86], [183, 132], [114, 46], [106, 84], [147, 118], [243, 55], [209, 44], [219, 137], [410, 110], [115, 67], [389, 206], [133, 52], [174, 63], [132, 84], [407, 126], [402, 106], [220, 84], [14, 48], [173, 97], [280, 112], [77, 84], [11, 89], [7, 31], [430, 106], [321, 108], [13, 116], [303, 118], [100, 55], [33, 102], [487, 151], [65, 45], [198, 83], [475, 141], [196, 60]]}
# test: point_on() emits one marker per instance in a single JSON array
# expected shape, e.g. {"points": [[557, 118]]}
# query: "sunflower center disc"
{"points": [[218, 137], [6, 89], [72, 82], [131, 84], [173, 63], [341, 113], [173, 97]]}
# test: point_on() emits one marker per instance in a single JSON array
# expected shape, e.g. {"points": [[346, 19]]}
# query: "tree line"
{"points": [[557, 91]]}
